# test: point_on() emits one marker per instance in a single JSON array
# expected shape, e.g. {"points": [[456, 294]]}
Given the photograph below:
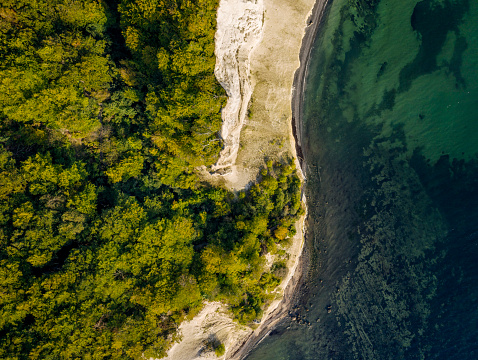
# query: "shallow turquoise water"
{"points": [[391, 141]]}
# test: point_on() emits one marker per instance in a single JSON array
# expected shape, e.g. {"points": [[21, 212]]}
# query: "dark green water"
{"points": [[391, 141]]}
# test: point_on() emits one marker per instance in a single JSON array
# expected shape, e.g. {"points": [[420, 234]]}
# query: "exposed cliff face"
{"points": [[239, 30]]}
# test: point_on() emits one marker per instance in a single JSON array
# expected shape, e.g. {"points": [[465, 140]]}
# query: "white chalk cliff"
{"points": [[239, 30]]}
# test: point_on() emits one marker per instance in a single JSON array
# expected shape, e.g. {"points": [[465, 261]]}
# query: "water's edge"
{"points": [[298, 88]]}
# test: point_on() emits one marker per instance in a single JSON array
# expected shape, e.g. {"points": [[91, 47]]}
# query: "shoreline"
{"points": [[298, 87]]}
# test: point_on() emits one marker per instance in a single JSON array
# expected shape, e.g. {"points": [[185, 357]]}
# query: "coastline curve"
{"points": [[300, 76]]}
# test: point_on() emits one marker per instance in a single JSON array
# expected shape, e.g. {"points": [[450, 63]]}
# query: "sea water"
{"points": [[390, 136]]}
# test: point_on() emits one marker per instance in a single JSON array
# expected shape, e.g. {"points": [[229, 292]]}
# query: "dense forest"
{"points": [[109, 238]]}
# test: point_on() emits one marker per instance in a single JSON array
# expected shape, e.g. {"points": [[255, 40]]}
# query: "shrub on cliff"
{"points": [[220, 350]]}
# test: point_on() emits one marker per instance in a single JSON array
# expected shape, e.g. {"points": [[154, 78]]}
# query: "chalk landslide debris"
{"points": [[239, 30]]}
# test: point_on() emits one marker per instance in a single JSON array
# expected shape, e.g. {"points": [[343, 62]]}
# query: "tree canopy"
{"points": [[108, 237]]}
